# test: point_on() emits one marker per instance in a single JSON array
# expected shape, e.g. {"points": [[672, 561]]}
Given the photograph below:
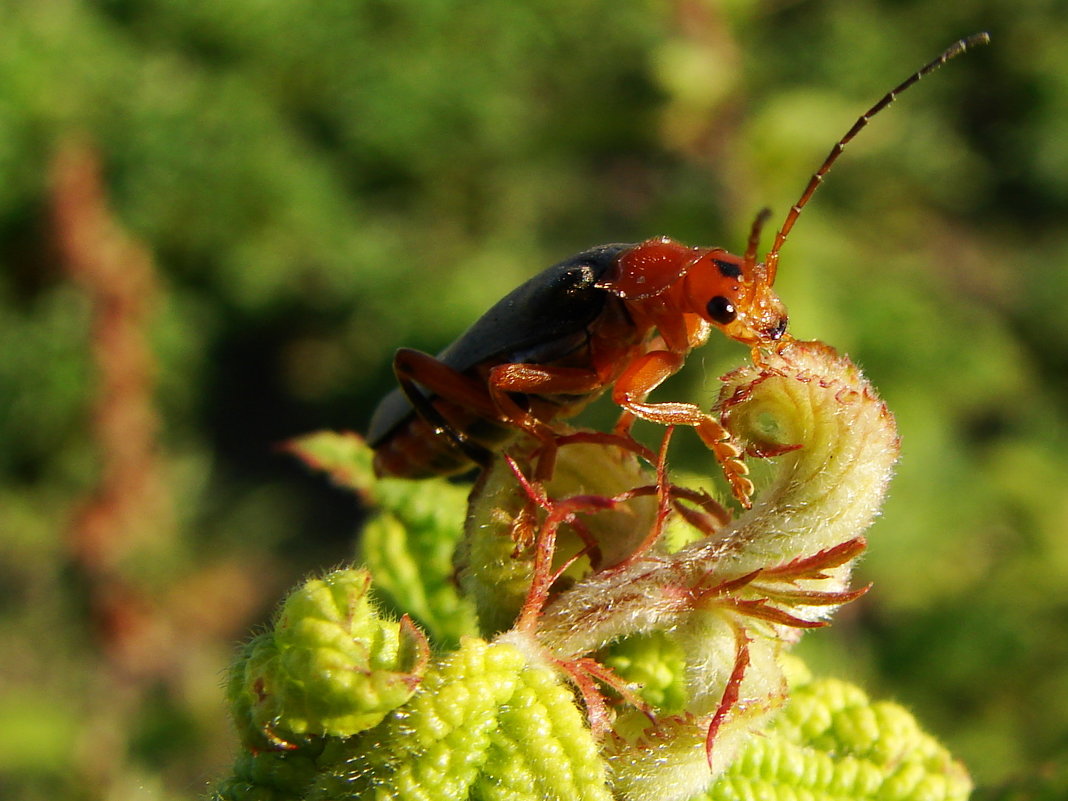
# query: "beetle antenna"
{"points": [[754, 236], [771, 261]]}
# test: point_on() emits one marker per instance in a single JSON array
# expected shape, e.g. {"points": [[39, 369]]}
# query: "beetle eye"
{"points": [[721, 310]]}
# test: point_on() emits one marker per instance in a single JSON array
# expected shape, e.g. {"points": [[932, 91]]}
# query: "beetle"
{"points": [[561, 338], [619, 316]]}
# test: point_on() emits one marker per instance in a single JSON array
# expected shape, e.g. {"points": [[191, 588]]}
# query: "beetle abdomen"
{"points": [[416, 450]]}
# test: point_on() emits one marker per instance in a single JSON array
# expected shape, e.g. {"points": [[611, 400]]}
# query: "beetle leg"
{"points": [[624, 424], [413, 368], [646, 373], [532, 379]]}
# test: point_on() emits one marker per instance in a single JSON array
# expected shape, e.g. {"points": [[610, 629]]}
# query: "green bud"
{"points": [[495, 559], [542, 747], [831, 743], [656, 663], [436, 746], [329, 666]]}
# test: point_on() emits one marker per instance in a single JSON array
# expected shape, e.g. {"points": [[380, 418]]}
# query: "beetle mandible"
{"points": [[623, 316]]}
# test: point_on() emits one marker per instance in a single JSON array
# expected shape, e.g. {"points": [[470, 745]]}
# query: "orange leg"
{"points": [[645, 374], [493, 400], [532, 379]]}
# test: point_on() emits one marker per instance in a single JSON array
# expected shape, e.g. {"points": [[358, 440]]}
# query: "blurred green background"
{"points": [[313, 184]]}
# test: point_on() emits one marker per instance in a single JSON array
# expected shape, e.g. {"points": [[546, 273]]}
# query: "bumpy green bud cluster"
{"points": [[630, 637], [543, 747], [330, 666], [485, 723], [436, 746], [655, 663], [831, 743]]}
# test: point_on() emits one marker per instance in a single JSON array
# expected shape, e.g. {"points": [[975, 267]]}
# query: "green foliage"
{"points": [[322, 182], [498, 721], [831, 742], [409, 547], [699, 631], [328, 666]]}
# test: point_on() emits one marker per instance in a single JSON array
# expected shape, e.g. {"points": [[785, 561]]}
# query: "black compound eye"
{"points": [[728, 269], [721, 310]]}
